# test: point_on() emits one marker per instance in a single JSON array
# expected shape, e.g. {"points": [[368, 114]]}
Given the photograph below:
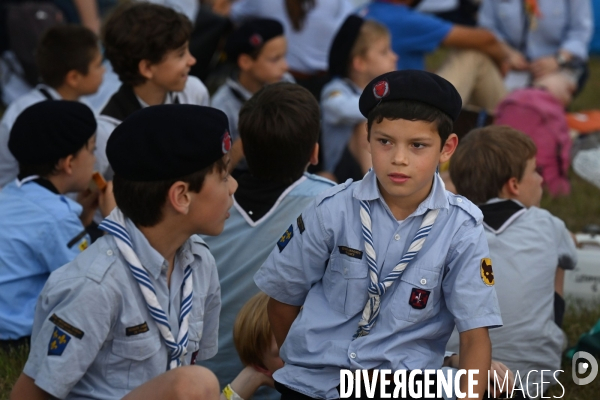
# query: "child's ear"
{"points": [[72, 78], [180, 197], [510, 189], [245, 62], [145, 69], [65, 164], [314, 157], [448, 148], [358, 63]]}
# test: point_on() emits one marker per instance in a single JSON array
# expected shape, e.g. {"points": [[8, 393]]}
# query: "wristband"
{"points": [[230, 394]]}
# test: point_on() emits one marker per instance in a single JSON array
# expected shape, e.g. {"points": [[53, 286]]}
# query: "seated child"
{"points": [[40, 228], [495, 168], [144, 298], [360, 52], [256, 347], [279, 127], [257, 48], [70, 66], [329, 261], [147, 45]]}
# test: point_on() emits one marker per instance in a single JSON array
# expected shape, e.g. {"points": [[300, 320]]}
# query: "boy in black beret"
{"points": [[374, 275], [131, 315], [257, 48], [40, 228], [361, 50]]}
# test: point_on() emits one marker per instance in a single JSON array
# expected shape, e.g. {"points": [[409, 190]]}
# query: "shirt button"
{"points": [[459, 200], [423, 281], [353, 355], [396, 237], [109, 252]]}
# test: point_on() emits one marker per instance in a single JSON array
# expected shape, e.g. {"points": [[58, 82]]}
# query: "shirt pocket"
{"points": [[345, 284], [127, 365], [417, 296]]}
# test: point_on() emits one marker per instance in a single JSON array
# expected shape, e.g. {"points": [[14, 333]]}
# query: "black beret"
{"points": [[168, 142], [341, 47], [250, 36], [50, 130], [414, 85]]}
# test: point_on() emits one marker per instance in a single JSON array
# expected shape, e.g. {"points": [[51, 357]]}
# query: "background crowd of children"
{"points": [[292, 80]]}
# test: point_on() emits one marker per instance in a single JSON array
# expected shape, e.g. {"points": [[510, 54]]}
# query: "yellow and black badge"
{"points": [[487, 274]]}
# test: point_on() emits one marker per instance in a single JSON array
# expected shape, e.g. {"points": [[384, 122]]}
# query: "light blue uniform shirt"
{"points": [[323, 267], [237, 261], [120, 346], [339, 109], [526, 251], [39, 232], [563, 25]]}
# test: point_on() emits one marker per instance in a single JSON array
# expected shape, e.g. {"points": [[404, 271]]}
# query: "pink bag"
{"points": [[539, 115]]}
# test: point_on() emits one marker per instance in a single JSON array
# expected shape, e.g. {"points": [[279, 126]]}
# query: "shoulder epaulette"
{"points": [[466, 205], [333, 191], [101, 262], [318, 178]]}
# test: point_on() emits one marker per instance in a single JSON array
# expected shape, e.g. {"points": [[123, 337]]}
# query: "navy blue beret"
{"points": [[413, 85], [250, 36], [341, 47], [50, 130], [168, 142]]}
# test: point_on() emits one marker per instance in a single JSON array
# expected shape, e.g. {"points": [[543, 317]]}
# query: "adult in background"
{"points": [[540, 36], [309, 27]]}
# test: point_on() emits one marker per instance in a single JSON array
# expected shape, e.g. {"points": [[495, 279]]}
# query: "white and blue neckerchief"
{"points": [[115, 225], [376, 288]]}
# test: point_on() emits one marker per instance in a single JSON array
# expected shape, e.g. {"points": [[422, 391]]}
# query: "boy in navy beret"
{"points": [[144, 300], [40, 228], [257, 48], [375, 274]]}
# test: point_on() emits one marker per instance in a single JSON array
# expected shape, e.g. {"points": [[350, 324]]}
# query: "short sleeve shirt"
{"points": [[93, 335], [40, 231], [319, 263]]}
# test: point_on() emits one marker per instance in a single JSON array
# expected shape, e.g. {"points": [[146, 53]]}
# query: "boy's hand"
{"points": [[106, 200], [500, 370], [89, 201]]}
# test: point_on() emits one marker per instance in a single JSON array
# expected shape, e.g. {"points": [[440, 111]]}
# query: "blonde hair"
{"points": [[370, 31], [252, 331]]}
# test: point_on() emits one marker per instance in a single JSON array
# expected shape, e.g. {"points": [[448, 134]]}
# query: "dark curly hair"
{"points": [[142, 31]]}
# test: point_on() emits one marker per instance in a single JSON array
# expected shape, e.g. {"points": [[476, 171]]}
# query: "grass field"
{"points": [[580, 208]]}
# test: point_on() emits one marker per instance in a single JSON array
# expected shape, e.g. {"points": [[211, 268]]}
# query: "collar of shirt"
{"points": [[238, 89], [368, 190], [498, 213], [42, 193], [55, 95], [151, 259]]}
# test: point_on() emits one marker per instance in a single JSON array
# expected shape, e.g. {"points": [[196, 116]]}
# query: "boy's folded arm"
{"points": [[281, 317]]}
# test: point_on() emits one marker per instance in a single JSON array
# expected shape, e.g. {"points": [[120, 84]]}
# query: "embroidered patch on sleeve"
{"points": [[335, 93], [300, 222], [285, 238], [83, 245], [136, 330], [351, 252], [65, 326], [58, 342], [487, 274], [418, 298]]}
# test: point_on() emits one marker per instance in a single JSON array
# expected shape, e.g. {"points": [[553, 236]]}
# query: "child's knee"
{"points": [[195, 383]]}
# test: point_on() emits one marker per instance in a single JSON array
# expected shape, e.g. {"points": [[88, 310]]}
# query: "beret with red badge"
{"points": [[414, 85], [251, 36], [168, 142]]}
